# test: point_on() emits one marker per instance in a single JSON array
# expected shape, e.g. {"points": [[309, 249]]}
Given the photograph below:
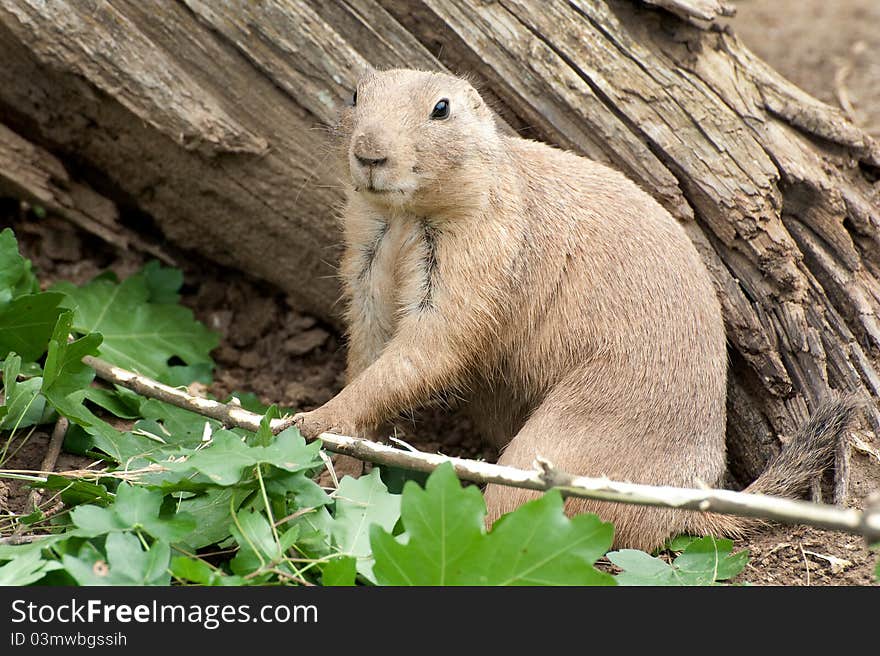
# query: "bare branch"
{"points": [[51, 457], [544, 477], [15, 540]]}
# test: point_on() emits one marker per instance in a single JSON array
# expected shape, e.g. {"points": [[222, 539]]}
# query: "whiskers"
{"points": [[319, 167]]}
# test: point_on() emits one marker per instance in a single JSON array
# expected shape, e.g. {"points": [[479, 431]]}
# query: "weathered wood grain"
{"points": [[210, 117], [32, 174]]}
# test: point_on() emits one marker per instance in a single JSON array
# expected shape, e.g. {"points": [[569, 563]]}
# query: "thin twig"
{"points": [[49, 460], [544, 477], [806, 562], [14, 540], [299, 513]]}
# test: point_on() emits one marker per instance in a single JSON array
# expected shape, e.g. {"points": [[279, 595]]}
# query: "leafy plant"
{"points": [[26, 565], [141, 326], [447, 544], [24, 404], [182, 498], [16, 275], [125, 560], [134, 510], [703, 561]]}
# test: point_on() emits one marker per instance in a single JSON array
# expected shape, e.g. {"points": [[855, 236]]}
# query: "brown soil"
{"points": [[801, 555], [287, 357], [829, 49]]}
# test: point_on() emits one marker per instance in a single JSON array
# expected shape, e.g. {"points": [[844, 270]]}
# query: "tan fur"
{"points": [[552, 292]]}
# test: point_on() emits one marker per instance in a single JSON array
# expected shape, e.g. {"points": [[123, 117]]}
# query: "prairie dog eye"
{"points": [[441, 110], [354, 98]]}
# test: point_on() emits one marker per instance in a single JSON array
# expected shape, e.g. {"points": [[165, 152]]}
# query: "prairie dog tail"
{"points": [[794, 468], [810, 452]]}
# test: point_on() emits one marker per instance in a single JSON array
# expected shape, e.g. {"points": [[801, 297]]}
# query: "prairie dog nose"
{"points": [[369, 152], [371, 161]]}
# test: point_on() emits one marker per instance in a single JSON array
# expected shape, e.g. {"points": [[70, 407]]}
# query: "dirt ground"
{"points": [[829, 48], [286, 357]]}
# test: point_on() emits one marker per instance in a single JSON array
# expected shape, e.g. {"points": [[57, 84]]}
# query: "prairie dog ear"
{"points": [[476, 102]]}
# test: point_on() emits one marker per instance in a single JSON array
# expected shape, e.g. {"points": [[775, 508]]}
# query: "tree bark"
{"points": [[210, 119]]}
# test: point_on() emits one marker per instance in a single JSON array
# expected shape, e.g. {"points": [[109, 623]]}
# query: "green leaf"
{"points": [[79, 441], [445, 524], [25, 404], [538, 545], [164, 428], [27, 563], [26, 324], [703, 562], [92, 521], [112, 402], [178, 426], [31, 370], [26, 315], [127, 563], [288, 538], [76, 491], [198, 571], [680, 542], [160, 435], [256, 542], [642, 569], [314, 533], [360, 503], [16, 277], [709, 559], [11, 369], [264, 435], [212, 510], [195, 570], [27, 568], [139, 334], [66, 379], [134, 508], [339, 571], [224, 461], [32, 518], [396, 478], [163, 283], [446, 543], [13, 552], [64, 371], [299, 488]]}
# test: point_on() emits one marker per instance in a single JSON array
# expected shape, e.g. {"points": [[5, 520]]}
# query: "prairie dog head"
{"points": [[416, 139]]}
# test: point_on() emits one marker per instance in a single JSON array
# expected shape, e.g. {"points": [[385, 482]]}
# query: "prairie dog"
{"points": [[549, 290]]}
